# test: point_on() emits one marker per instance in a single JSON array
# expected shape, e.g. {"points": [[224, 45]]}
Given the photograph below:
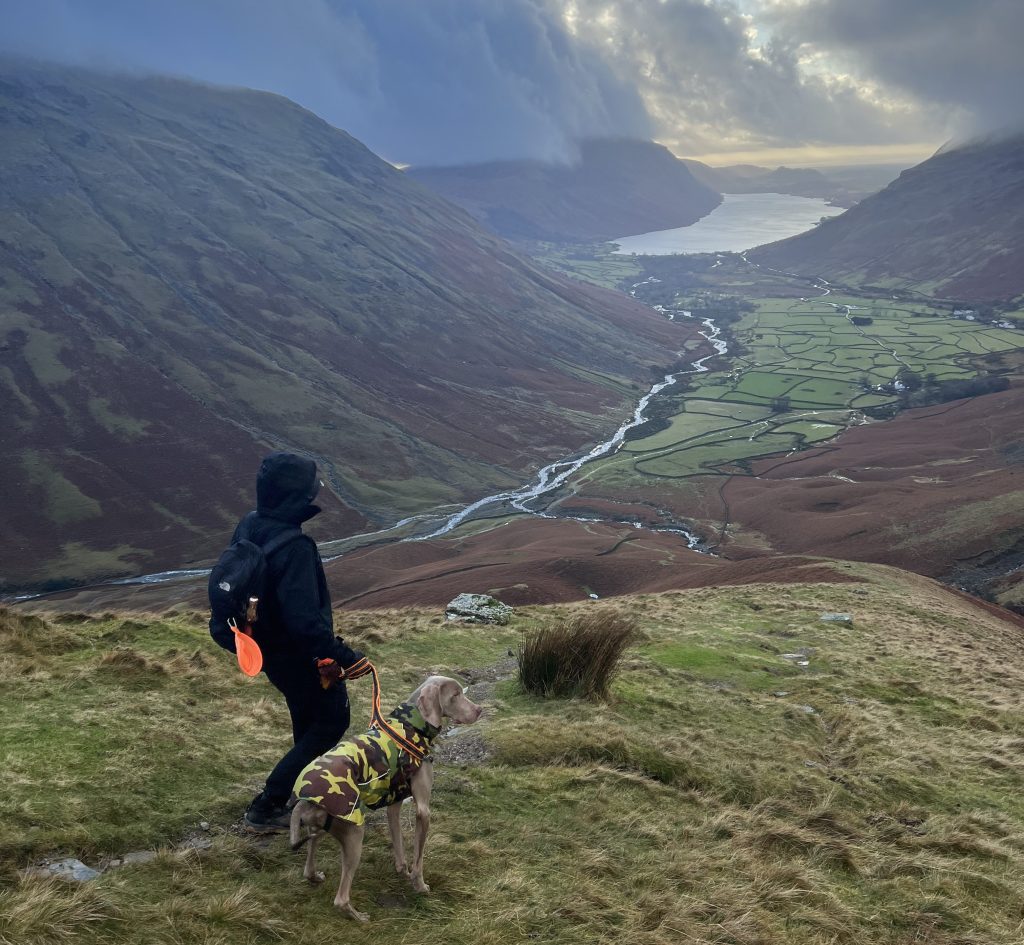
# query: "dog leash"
{"points": [[364, 667]]}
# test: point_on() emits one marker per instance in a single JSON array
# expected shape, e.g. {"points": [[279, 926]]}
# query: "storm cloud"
{"points": [[454, 81], [954, 54], [436, 82], [717, 75]]}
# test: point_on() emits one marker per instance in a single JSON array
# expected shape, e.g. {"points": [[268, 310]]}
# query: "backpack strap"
{"points": [[276, 544]]}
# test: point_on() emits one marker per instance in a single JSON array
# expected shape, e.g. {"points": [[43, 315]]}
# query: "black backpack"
{"points": [[238, 583]]}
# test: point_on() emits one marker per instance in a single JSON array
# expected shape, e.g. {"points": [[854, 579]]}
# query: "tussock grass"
{"points": [[578, 657], [693, 803], [50, 912]]}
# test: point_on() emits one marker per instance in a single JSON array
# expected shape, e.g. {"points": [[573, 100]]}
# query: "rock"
{"points": [[70, 869], [138, 857], [780, 693], [204, 825], [809, 709], [197, 842], [478, 608], [836, 618]]}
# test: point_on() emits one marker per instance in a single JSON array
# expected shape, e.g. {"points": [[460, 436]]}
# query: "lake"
{"points": [[739, 222]]}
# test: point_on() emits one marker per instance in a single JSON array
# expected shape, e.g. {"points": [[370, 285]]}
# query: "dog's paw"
{"points": [[418, 885], [316, 879], [402, 869], [353, 913]]}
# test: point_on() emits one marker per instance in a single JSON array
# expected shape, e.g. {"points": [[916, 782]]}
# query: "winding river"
{"points": [[555, 474]]}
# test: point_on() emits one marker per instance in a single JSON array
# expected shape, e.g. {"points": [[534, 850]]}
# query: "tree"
{"points": [[910, 380], [780, 404]]}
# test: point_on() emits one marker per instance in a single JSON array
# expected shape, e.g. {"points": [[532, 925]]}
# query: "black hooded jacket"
{"points": [[295, 621]]}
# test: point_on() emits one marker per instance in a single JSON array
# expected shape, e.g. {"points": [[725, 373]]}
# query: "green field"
{"points": [[800, 371]]}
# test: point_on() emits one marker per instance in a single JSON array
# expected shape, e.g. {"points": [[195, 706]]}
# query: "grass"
{"points": [[579, 657], [723, 793]]}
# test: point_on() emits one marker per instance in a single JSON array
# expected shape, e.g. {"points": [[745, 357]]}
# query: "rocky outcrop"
{"points": [[478, 608]]}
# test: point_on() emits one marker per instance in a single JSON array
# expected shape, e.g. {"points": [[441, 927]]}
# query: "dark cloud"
{"points": [[959, 54], [453, 81], [444, 81], [711, 74]]}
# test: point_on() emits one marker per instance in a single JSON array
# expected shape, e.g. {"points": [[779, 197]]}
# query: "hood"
{"points": [[286, 486]]}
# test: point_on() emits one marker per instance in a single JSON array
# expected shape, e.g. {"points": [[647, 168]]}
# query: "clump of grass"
{"points": [[24, 635], [577, 657], [130, 660], [49, 912]]}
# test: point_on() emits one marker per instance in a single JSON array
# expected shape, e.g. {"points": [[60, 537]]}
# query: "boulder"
{"points": [[478, 608], [836, 618], [70, 869]]}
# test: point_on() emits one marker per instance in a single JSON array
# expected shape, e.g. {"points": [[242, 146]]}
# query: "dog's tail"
{"points": [[295, 827], [309, 815]]}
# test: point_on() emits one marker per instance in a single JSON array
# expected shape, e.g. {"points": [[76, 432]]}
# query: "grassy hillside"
{"points": [[949, 227], [617, 188], [728, 793], [189, 275]]}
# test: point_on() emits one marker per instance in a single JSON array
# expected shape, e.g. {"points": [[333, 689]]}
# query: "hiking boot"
{"points": [[265, 817]]}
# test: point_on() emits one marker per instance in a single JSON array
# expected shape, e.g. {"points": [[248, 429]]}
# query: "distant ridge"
{"points": [[619, 187], [753, 179], [953, 226]]}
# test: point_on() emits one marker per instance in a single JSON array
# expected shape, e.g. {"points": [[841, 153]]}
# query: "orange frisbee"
{"points": [[250, 657]]}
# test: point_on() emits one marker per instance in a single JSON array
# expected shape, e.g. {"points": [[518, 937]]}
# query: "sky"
{"points": [[462, 81]]}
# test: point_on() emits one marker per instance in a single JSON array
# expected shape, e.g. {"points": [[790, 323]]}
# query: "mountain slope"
{"points": [[758, 775], [189, 275], [952, 225], [937, 490], [618, 188]]}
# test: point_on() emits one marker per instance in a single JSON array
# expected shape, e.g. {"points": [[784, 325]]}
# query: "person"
{"points": [[295, 630]]}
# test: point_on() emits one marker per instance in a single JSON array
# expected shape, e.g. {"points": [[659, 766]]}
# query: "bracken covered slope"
{"points": [[953, 226], [189, 275], [617, 188], [939, 490]]}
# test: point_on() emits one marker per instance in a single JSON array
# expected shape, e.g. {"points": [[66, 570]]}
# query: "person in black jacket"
{"points": [[295, 629]]}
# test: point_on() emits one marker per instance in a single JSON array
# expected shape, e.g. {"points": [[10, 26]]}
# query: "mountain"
{"points": [[617, 188], [752, 179], [951, 226], [758, 775], [191, 275]]}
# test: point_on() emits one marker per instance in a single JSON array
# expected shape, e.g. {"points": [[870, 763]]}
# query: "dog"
{"points": [[373, 771]]}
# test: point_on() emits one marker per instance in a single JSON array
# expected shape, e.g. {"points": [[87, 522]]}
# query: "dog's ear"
{"points": [[429, 703]]}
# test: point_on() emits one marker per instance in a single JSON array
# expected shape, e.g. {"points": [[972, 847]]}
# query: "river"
{"points": [[555, 474], [739, 222]]}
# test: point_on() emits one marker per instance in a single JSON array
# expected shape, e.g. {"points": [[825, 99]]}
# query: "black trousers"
{"points": [[319, 720]]}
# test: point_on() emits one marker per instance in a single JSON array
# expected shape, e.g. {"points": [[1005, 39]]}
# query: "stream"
{"points": [[555, 474]]}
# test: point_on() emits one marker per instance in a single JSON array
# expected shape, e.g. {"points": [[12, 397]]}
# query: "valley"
{"points": [[802, 371], [310, 296]]}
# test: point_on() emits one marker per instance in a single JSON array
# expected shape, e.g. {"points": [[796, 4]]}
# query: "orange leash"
{"points": [[362, 668]]}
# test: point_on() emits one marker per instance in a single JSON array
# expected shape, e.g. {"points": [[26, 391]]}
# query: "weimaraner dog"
{"points": [[382, 768]]}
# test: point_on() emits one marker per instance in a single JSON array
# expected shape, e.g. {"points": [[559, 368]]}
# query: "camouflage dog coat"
{"points": [[367, 772]]}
